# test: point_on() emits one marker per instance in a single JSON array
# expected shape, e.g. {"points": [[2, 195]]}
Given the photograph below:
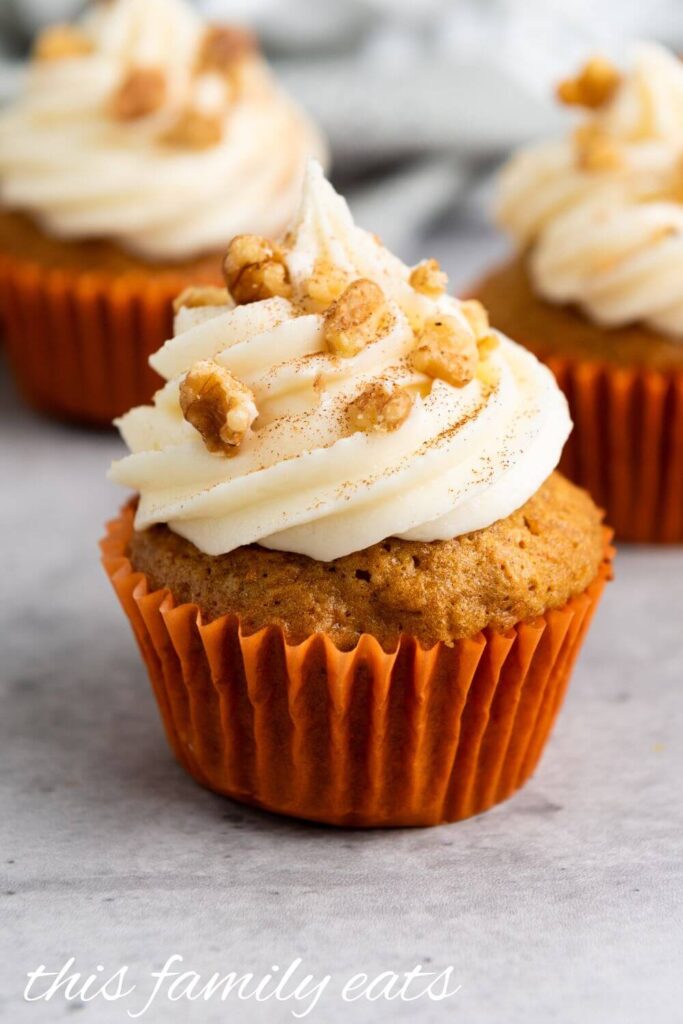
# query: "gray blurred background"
{"points": [[419, 100]]}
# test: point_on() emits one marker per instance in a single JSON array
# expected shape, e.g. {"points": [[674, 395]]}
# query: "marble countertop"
{"points": [[562, 905]]}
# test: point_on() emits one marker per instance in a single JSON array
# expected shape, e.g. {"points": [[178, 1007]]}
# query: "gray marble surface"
{"points": [[563, 905]]}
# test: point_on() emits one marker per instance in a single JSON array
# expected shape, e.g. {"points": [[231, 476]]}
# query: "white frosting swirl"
{"points": [[83, 174], [464, 458], [610, 239]]}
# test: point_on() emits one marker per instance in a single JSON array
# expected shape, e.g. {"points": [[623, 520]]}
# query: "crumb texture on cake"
{"points": [[536, 559], [554, 330]]}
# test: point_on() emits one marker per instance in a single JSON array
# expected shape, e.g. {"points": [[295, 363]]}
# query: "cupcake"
{"points": [[594, 288], [144, 137], [356, 580]]}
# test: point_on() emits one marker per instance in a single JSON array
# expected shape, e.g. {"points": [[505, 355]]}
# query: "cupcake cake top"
{"points": [[146, 125], [336, 397], [601, 211]]}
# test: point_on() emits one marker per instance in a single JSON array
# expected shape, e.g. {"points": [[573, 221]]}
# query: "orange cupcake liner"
{"points": [[353, 738], [78, 343], [627, 445]]}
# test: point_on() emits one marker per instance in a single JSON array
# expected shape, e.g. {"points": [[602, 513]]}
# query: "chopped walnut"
{"points": [[324, 286], [447, 351], [222, 47], [476, 316], [218, 405], [428, 278], [255, 269], [61, 42], [379, 408], [194, 129], [486, 344], [196, 296], [142, 92], [594, 86], [595, 149], [354, 318], [478, 319]]}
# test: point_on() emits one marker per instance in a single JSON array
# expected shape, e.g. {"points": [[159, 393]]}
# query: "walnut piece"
{"points": [[218, 405], [447, 351], [478, 319], [595, 149], [486, 344], [255, 269], [476, 316], [428, 278], [142, 92], [324, 286], [380, 407], [354, 319], [222, 47], [61, 42], [196, 296], [194, 130], [595, 85]]}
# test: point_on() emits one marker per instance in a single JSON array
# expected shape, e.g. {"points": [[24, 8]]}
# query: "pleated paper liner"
{"points": [[627, 445], [361, 737], [78, 343]]}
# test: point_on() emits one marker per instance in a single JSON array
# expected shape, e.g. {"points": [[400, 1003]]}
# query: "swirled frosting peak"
{"points": [[601, 211], [345, 399], [145, 125]]}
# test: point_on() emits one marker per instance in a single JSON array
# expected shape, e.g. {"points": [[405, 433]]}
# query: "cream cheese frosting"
{"points": [[83, 173], [601, 212], [463, 458]]}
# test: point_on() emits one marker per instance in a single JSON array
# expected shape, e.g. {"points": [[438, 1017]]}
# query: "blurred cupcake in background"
{"points": [[357, 583], [596, 287], [142, 139]]}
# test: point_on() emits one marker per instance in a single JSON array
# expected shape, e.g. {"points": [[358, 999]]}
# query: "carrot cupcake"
{"points": [[357, 583], [595, 287], [143, 139]]}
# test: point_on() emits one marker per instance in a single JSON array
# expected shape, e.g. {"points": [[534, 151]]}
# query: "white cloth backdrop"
{"points": [[418, 97]]}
